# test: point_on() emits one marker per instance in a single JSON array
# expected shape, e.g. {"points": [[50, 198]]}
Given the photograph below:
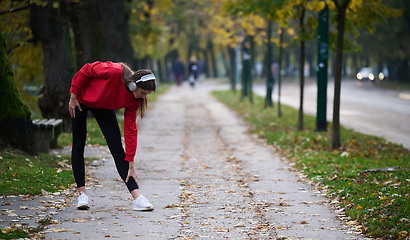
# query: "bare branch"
{"points": [[14, 9]]}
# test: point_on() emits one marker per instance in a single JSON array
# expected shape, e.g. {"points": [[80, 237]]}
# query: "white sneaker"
{"points": [[142, 204], [83, 202]]}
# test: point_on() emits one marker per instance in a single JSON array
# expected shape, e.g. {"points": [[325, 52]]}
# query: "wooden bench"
{"points": [[46, 133]]}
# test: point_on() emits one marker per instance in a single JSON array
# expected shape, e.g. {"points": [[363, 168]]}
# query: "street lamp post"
{"points": [[323, 46]]}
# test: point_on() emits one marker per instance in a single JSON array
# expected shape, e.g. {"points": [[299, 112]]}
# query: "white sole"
{"points": [[144, 209]]}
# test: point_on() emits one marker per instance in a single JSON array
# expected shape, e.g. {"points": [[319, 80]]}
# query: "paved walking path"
{"points": [[207, 178]]}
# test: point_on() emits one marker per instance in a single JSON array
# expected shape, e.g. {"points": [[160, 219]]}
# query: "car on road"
{"points": [[368, 73]]}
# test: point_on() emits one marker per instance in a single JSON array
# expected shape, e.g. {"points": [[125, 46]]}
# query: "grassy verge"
{"points": [[378, 200], [24, 174]]}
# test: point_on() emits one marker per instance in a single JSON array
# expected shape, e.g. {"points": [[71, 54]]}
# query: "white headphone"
{"points": [[132, 86]]}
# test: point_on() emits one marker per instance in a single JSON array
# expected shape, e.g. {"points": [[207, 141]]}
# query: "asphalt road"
{"points": [[366, 108]]}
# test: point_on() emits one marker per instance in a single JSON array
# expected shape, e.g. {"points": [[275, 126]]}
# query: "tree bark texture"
{"points": [[114, 33], [280, 71], [50, 26], [232, 68], [341, 15], [213, 59], [16, 129], [84, 22], [269, 75]]}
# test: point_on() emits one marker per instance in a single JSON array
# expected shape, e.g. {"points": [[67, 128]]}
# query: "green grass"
{"points": [[13, 233], [24, 174], [378, 200]]}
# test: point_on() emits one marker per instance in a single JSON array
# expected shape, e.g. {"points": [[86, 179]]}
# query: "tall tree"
{"points": [[272, 11], [361, 13], [16, 129], [301, 65], [50, 25], [84, 21], [341, 7], [114, 31]]}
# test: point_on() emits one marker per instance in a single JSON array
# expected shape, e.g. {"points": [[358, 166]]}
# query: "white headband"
{"points": [[132, 86], [146, 78]]}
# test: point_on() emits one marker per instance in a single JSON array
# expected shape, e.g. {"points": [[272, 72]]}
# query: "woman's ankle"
{"points": [[81, 190], [135, 193]]}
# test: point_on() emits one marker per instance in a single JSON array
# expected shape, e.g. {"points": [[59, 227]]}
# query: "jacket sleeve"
{"points": [[87, 72], [130, 133]]}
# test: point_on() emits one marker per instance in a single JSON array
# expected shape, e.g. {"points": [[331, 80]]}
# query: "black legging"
{"points": [[108, 123]]}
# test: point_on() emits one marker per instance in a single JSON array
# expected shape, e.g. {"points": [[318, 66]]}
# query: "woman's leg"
{"points": [[108, 123], [79, 128]]}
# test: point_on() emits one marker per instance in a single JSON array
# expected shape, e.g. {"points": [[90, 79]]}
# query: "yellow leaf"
{"points": [[359, 207], [352, 223], [59, 230]]}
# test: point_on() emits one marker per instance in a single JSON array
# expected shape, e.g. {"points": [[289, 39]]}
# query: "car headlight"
{"points": [[359, 76], [371, 76], [381, 76]]}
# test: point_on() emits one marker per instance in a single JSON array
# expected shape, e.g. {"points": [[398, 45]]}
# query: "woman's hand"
{"points": [[72, 104], [131, 173]]}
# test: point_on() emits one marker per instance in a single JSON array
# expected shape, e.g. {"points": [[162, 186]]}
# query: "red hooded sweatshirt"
{"points": [[99, 85]]}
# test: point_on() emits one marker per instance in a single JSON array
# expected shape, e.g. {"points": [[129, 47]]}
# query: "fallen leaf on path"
{"points": [[61, 230], [79, 220], [171, 206]]}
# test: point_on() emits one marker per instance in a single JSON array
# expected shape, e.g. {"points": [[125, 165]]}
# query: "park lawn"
{"points": [[377, 200], [24, 174]]}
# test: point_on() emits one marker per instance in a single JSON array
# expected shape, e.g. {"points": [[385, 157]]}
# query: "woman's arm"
{"points": [[72, 104], [130, 133], [131, 172]]}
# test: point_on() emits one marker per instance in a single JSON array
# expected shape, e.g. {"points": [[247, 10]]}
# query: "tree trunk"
{"points": [[16, 129], [213, 60], [225, 62], [84, 22], [206, 63], [269, 75], [50, 26], [115, 37], [280, 71], [405, 70], [232, 69], [252, 66], [160, 71], [341, 15]]}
